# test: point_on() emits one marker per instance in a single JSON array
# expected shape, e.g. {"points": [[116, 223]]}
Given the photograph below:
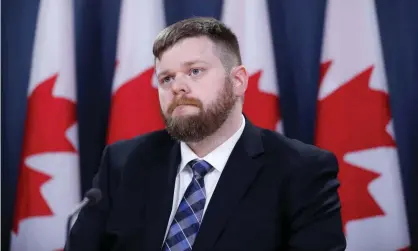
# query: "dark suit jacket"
{"points": [[274, 194]]}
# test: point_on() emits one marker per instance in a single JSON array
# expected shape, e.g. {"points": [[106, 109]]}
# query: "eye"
{"points": [[166, 80], [195, 71]]}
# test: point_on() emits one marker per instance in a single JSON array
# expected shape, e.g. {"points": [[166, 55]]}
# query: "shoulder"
{"points": [[295, 153], [306, 170], [146, 143]]}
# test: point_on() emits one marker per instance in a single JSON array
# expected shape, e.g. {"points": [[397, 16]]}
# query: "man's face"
{"points": [[196, 94]]}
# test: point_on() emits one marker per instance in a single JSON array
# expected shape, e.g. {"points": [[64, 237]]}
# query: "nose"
{"points": [[180, 85]]}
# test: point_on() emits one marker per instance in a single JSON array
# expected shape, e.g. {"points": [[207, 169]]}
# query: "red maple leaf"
{"points": [[354, 118], [260, 107], [135, 108], [48, 118]]}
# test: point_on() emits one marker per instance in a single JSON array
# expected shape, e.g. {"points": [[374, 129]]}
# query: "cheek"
{"points": [[208, 98], [164, 99], [214, 93], [209, 91]]}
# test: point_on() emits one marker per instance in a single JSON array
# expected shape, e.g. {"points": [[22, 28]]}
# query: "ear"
{"points": [[239, 77]]}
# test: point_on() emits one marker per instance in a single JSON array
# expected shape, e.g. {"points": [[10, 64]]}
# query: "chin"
{"points": [[182, 117]]}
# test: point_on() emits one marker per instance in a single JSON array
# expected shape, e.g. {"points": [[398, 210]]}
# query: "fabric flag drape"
{"points": [[48, 183], [354, 121], [250, 22], [135, 106]]}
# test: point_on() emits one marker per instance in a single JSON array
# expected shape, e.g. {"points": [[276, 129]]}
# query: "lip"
{"points": [[184, 105], [182, 108]]}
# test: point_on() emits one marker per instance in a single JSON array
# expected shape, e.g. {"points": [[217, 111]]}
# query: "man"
{"points": [[211, 180]]}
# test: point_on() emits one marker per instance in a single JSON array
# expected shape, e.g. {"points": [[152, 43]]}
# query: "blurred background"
{"points": [[343, 75]]}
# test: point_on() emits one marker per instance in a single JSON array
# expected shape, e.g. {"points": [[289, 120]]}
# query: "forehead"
{"points": [[187, 50]]}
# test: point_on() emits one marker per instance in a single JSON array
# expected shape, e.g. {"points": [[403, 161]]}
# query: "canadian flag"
{"points": [[249, 20], [135, 107], [48, 183], [354, 121]]}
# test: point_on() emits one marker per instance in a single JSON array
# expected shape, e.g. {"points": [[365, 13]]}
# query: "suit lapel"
{"points": [[160, 186], [237, 176]]}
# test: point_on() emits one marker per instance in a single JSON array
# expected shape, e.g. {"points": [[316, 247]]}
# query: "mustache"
{"points": [[184, 101]]}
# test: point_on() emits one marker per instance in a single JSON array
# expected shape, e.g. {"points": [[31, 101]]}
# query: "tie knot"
{"points": [[200, 167]]}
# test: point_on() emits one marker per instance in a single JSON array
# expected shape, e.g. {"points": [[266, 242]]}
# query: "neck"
{"points": [[208, 144]]}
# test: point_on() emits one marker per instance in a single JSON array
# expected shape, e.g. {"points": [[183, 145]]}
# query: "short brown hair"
{"points": [[224, 39]]}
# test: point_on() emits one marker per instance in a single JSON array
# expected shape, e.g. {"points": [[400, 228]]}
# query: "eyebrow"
{"points": [[188, 63]]}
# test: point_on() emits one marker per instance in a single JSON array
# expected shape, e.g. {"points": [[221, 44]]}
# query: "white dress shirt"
{"points": [[217, 158]]}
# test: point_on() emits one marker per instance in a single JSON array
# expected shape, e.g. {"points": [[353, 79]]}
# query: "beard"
{"points": [[194, 128]]}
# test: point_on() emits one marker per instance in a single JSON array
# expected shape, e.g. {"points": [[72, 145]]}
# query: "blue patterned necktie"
{"points": [[187, 220]]}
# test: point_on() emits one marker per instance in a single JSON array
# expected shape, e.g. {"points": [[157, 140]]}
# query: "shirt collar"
{"points": [[218, 157]]}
